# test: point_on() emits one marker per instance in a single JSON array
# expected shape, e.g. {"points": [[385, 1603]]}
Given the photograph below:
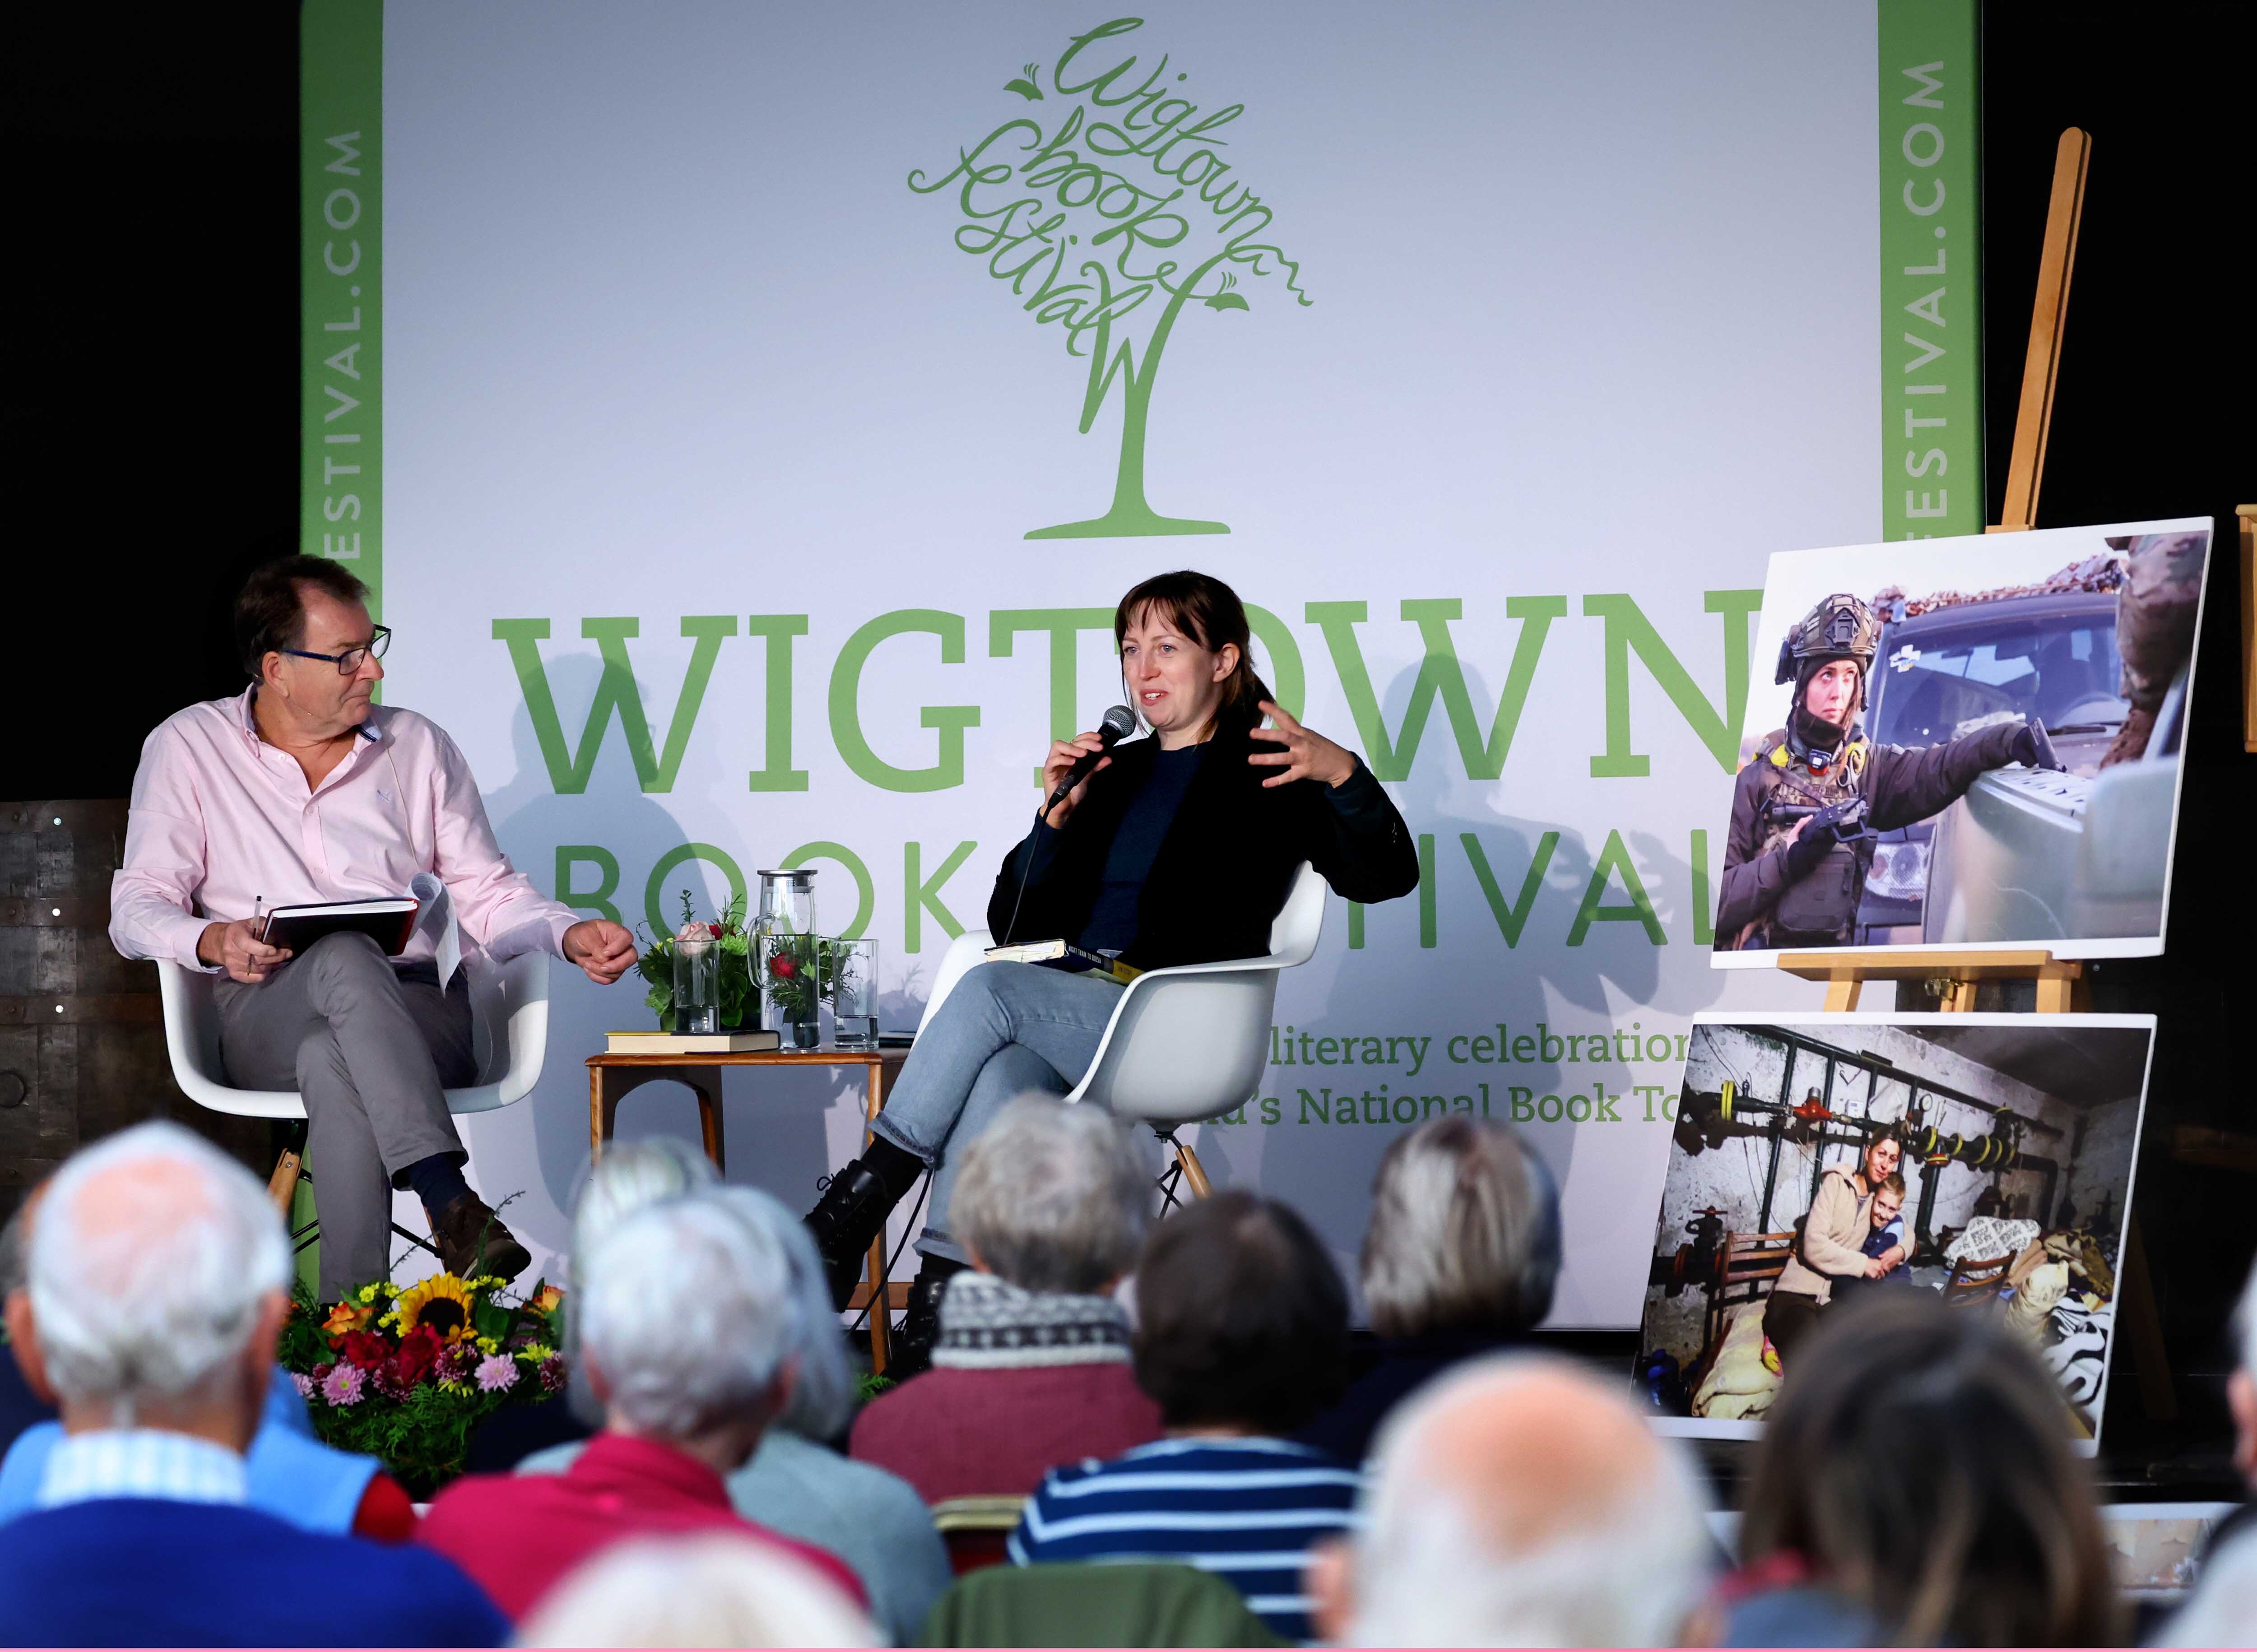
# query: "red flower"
{"points": [[363, 1348], [419, 1353], [781, 967]]}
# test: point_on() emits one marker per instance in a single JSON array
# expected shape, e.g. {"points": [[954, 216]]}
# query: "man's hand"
{"points": [[605, 949], [1876, 1267], [238, 950], [2033, 747], [1307, 754]]}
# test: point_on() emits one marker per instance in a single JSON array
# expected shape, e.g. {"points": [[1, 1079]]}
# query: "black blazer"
{"points": [[1225, 867]]}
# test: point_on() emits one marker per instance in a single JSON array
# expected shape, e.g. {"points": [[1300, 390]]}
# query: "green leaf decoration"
{"points": [[1227, 302]]}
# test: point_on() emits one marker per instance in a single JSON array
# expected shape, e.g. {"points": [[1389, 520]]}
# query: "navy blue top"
{"points": [[1135, 845], [1249, 1510], [142, 1571]]}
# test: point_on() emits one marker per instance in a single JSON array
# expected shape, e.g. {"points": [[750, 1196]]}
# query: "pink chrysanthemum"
{"points": [[553, 1375], [496, 1373], [303, 1383], [343, 1386]]}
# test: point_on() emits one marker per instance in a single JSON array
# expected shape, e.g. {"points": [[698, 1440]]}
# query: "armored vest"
{"points": [[1821, 909]]}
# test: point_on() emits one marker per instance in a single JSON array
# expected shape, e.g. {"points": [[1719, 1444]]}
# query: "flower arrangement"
{"points": [[797, 974], [740, 1004], [404, 1376]]}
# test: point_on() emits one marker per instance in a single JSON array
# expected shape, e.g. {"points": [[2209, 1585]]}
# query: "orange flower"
{"points": [[548, 1299], [347, 1316]]}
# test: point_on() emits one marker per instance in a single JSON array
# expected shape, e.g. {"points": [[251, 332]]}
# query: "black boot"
{"points": [[853, 1208], [919, 1329]]}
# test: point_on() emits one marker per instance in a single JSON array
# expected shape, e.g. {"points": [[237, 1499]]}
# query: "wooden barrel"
{"points": [[82, 1029]]}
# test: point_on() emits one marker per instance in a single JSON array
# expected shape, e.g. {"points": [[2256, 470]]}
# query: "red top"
{"points": [[518, 1534], [972, 1433], [385, 1514]]}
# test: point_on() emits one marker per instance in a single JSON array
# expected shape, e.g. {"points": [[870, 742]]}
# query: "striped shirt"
{"points": [[1246, 1509], [179, 1468]]}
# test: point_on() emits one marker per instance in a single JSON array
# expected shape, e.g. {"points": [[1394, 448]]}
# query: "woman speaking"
{"points": [[1179, 847]]}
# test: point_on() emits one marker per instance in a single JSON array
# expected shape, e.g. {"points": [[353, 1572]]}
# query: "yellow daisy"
{"points": [[442, 1302]]}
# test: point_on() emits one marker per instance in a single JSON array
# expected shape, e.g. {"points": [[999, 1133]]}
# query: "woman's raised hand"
{"points": [[1064, 755], [1307, 754]]}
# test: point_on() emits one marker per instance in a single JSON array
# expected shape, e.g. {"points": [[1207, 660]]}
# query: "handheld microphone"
{"points": [[1118, 724]]}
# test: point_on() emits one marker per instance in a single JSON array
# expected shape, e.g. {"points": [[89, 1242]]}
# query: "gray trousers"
{"points": [[369, 1046]]}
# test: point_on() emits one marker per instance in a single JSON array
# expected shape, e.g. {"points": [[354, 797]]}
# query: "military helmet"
{"points": [[1837, 627]]}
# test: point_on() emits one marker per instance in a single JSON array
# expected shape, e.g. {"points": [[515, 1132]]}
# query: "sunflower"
{"points": [[442, 1304]]}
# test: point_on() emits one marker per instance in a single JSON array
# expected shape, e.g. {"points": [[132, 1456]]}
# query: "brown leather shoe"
{"points": [[472, 1241]]}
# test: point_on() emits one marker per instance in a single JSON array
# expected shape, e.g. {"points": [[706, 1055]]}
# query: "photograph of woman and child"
{"points": [[1818, 1160]]}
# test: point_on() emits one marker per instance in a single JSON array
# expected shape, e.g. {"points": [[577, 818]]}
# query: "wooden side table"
{"points": [[609, 1078]]}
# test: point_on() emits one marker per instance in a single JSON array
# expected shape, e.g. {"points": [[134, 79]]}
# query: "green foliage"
{"points": [[740, 1002], [871, 1386]]}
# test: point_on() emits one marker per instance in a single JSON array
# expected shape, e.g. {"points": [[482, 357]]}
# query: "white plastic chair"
{"points": [[509, 1039], [1185, 1043]]}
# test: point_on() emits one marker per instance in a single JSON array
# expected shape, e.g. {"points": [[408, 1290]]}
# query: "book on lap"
{"points": [[389, 923], [1064, 955]]}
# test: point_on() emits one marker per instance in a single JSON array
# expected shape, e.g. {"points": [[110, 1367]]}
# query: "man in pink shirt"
{"points": [[299, 791]]}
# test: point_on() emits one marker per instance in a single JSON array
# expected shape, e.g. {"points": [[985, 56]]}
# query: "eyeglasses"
{"points": [[352, 658]]}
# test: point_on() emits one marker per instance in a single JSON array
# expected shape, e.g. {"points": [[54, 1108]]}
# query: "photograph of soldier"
{"points": [[1820, 1160], [1983, 751], [1806, 811]]}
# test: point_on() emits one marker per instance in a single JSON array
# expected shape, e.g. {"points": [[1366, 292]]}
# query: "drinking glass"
{"points": [[696, 986]]}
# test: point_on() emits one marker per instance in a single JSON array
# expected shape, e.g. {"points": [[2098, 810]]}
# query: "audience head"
{"points": [[823, 1385], [1241, 1318], [154, 1280], [2241, 1386], [1917, 1462], [628, 1176], [1519, 1501], [714, 1591], [687, 1325], [1050, 1198], [1464, 1234]]}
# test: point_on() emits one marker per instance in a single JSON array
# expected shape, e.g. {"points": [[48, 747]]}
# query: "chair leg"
{"points": [[282, 1186], [1193, 1172]]}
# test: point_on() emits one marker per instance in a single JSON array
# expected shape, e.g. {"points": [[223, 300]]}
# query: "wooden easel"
{"points": [[2060, 982]]}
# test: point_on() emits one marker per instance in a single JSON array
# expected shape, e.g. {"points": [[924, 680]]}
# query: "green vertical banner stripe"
{"points": [[1931, 317], [340, 250]]}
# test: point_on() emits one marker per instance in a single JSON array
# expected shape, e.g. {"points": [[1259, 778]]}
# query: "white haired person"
{"points": [[687, 1327], [794, 1483], [2223, 1609], [1458, 1261], [1519, 1502], [1031, 1368], [153, 1299], [712, 1590]]}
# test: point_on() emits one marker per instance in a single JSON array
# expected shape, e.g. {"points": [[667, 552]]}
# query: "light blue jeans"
{"points": [[1007, 1028]]}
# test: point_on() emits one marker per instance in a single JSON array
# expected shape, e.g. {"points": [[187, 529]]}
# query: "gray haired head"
{"points": [[688, 1314], [630, 1175], [1050, 1198], [822, 1395], [147, 1266], [1464, 1234]]}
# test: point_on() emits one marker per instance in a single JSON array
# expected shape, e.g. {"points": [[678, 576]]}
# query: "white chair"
{"points": [[509, 1038], [1185, 1043]]}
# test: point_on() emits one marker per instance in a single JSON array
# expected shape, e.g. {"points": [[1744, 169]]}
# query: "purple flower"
{"points": [[552, 1374], [457, 1364], [304, 1384], [496, 1373], [343, 1386], [391, 1382]]}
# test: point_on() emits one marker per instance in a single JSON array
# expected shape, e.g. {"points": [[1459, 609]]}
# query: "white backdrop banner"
{"points": [[773, 401]]}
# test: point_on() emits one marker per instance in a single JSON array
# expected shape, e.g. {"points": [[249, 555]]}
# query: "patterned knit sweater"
{"points": [[1023, 1382]]}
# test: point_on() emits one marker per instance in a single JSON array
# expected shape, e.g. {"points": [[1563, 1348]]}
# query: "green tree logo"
{"points": [[1115, 203]]}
